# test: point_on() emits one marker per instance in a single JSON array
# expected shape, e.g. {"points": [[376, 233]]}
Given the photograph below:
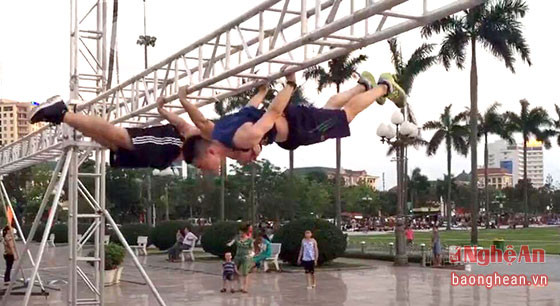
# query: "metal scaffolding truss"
{"points": [[242, 54]]}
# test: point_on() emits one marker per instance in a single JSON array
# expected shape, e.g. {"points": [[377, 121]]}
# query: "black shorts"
{"points": [[154, 147], [308, 265], [309, 125], [228, 276]]}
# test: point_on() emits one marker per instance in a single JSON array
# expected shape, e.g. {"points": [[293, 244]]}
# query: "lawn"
{"points": [[547, 238]]}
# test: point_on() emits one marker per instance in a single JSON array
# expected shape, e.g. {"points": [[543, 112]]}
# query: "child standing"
{"points": [[308, 257], [243, 258], [229, 271]]}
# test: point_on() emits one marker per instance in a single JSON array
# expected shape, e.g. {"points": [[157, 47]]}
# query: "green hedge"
{"points": [[330, 239], [218, 235], [131, 233], [163, 234]]}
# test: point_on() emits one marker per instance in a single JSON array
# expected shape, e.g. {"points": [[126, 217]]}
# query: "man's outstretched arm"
{"points": [[257, 99], [204, 125], [276, 108], [185, 129]]}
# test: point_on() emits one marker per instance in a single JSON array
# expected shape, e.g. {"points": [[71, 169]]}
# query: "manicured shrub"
{"points": [[330, 239], [218, 235], [131, 233]]}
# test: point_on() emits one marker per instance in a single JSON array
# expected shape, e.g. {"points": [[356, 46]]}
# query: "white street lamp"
{"points": [[397, 117]]}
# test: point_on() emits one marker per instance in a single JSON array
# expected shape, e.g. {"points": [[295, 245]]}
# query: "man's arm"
{"points": [[257, 99], [204, 125], [275, 109], [184, 128]]}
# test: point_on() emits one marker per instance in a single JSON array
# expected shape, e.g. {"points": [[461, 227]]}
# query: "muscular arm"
{"points": [[185, 129], [253, 135], [204, 125], [257, 99]]}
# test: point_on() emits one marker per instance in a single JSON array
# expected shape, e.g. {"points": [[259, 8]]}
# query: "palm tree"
{"points": [[341, 70], [405, 73], [530, 122], [556, 124], [491, 122], [450, 129], [495, 25]]}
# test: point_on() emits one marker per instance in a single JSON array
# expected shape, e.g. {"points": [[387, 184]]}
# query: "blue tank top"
{"points": [[225, 128]]}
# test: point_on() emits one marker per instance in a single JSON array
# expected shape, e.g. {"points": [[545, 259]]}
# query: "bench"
{"points": [[276, 248], [140, 247], [190, 252]]}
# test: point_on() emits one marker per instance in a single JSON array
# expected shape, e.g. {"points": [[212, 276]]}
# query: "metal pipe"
{"points": [[50, 219]]}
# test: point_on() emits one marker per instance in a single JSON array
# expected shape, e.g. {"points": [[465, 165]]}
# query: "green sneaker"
{"points": [[395, 93], [368, 80]]}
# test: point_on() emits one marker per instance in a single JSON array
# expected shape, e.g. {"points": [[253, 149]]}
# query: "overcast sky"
{"points": [[34, 64]]}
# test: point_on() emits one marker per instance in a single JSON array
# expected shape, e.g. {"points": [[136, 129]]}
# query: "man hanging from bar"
{"points": [[155, 146], [290, 126]]}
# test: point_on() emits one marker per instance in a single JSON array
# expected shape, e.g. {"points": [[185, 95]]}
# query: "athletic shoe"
{"points": [[368, 80], [394, 93], [51, 111]]}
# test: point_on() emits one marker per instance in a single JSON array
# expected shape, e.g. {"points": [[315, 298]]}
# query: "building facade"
{"points": [[503, 155], [14, 123], [350, 177], [498, 178]]}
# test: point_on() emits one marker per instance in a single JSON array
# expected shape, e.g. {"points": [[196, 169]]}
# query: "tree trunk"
{"points": [[486, 193], [223, 173], [473, 142], [338, 207], [166, 203], [149, 208], [525, 183], [253, 194], [291, 169], [448, 208], [113, 42]]}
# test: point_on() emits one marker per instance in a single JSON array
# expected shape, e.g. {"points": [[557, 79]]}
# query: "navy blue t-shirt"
{"points": [[225, 128]]}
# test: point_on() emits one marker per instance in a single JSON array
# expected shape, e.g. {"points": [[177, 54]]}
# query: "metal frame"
{"points": [[243, 54]]}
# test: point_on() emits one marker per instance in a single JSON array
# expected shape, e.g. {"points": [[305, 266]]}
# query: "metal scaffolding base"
{"points": [[238, 56]]}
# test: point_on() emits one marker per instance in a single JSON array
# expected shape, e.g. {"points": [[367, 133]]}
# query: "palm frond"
{"points": [[396, 56], [443, 25], [453, 48], [435, 142], [432, 125]]}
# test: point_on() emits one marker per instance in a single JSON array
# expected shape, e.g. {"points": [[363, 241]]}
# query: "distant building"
{"points": [[503, 155], [350, 177], [497, 177], [14, 123], [463, 179]]}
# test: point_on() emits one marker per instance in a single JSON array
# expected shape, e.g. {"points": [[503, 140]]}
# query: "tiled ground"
{"points": [[378, 283]]}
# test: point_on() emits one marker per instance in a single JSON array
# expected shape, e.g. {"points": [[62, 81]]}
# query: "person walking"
{"points": [[10, 254]]}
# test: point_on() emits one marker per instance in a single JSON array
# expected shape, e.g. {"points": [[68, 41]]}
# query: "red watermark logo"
{"points": [[484, 257]]}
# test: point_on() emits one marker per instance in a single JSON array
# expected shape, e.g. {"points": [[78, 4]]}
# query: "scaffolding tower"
{"points": [[240, 55]]}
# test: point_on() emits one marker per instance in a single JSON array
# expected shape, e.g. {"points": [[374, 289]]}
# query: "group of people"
{"points": [[251, 253], [239, 136], [184, 241]]}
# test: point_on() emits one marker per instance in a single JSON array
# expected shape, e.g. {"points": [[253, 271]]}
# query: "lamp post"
{"points": [[166, 172], [399, 137]]}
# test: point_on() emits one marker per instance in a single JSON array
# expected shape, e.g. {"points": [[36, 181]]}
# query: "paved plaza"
{"points": [[371, 283]]}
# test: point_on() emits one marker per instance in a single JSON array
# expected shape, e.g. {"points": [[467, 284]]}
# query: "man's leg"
{"points": [[103, 132], [55, 111], [360, 102], [339, 100]]}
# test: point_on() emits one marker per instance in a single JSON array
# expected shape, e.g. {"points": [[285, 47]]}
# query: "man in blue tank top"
{"points": [[240, 135]]}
